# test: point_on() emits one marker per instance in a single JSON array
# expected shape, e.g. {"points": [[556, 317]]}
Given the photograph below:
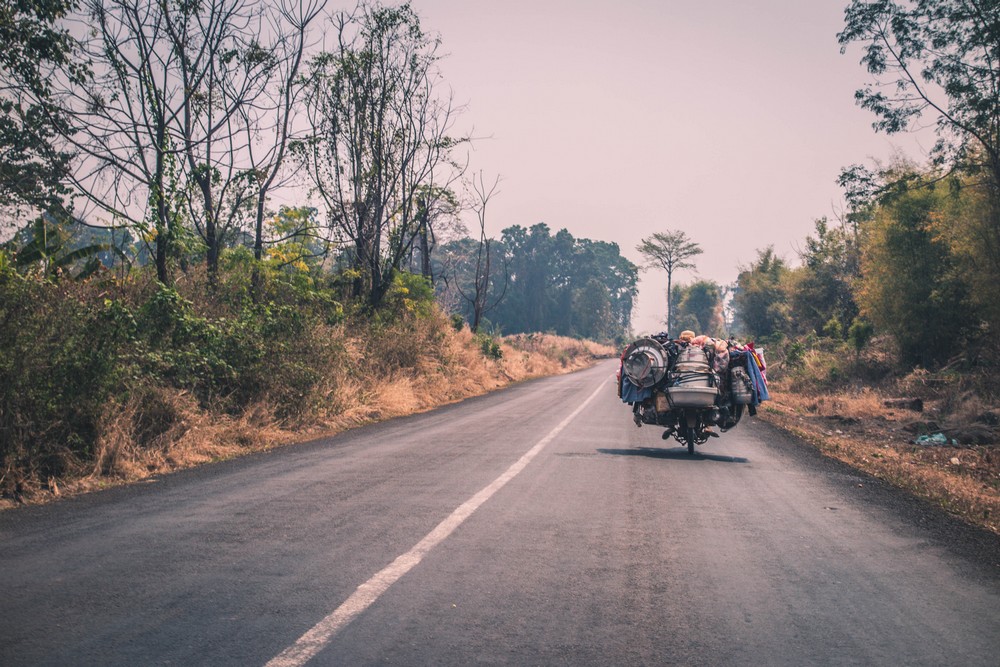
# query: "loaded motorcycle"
{"points": [[689, 388]]}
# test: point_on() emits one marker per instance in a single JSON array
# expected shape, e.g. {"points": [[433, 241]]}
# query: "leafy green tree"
{"points": [[535, 260], [935, 57], [593, 318], [699, 307], [964, 220], [760, 299], [821, 289], [858, 335], [910, 286], [35, 45], [669, 251], [603, 262], [554, 282], [938, 58]]}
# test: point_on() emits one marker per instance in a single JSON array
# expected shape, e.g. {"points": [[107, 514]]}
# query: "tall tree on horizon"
{"points": [[483, 296], [669, 251]]}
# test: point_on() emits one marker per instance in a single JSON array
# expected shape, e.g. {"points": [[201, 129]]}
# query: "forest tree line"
{"points": [[172, 129], [916, 263], [542, 281]]}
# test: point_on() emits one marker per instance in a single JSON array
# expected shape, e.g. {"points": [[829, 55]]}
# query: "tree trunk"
{"points": [[212, 258], [670, 307], [162, 223], [425, 245], [258, 252]]}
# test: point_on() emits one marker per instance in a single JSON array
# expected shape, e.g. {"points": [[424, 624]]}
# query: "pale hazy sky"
{"points": [[728, 119]]}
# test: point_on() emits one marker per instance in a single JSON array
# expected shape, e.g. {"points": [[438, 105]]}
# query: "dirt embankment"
{"points": [[942, 447]]}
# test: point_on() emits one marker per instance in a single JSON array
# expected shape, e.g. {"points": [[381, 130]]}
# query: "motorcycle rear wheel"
{"points": [[689, 436]]}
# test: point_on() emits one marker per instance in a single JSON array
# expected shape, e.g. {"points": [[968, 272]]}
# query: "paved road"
{"points": [[604, 546]]}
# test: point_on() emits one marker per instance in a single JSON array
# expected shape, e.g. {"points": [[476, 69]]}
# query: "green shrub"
{"points": [[265, 350], [410, 294], [489, 346], [796, 355], [59, 349], [833, 329], [859, 334], [69, 350]]}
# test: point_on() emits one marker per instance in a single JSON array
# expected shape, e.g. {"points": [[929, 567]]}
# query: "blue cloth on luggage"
{"points": [[759, 384], [632, 393]]}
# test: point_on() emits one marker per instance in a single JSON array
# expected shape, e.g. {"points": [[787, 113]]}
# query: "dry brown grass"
{"points": [[400, 370], [857, 428], [156, 432], [455, 369]]}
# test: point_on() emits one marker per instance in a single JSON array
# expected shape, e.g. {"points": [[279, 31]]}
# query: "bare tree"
{"points": [[482, 275], [669, 251], [122, 120], [268, 123], [437, 212], [176, 99], [224, 69], [381, 137]]}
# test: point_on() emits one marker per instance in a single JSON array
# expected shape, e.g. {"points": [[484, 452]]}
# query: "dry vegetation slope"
{"points": [[859, 428], [397, 371]]}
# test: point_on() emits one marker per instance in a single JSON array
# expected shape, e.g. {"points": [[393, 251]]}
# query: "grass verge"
{"points": [[371, 373], [858, 428]]}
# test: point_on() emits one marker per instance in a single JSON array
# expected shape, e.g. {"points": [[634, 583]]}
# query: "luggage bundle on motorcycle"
{"points": [[691, 384]]}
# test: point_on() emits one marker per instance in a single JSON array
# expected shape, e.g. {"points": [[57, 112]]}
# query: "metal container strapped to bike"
{"points": [[692, 384], [691, 358], [645, 363], [740, 387]]}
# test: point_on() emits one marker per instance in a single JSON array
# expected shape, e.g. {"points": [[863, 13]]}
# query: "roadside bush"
{"points": [[119, 375], [59, 347], [489, 346], [859, 333], [264, 351], [411, 295], [812, 363], [67, 349]]}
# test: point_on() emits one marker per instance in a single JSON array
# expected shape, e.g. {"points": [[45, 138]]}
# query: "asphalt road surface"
{"points": [[534, 526]]}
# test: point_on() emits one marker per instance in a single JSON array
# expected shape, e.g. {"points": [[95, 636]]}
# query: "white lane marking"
{"points": [[317, 638]]}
